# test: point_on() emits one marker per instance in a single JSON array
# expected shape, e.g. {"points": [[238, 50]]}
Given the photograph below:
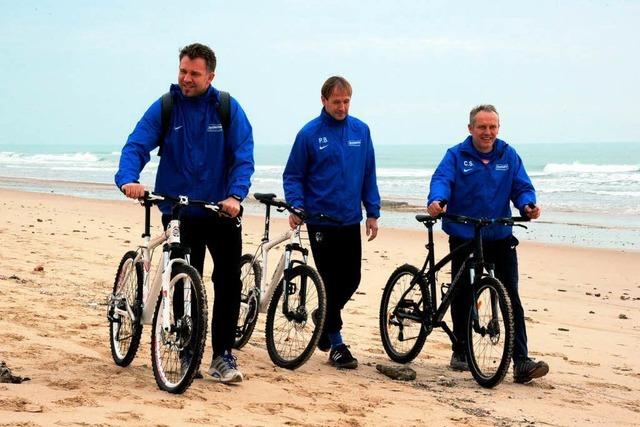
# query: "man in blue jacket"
{"points": [[331, 171], [479, 178], [203, 160]]}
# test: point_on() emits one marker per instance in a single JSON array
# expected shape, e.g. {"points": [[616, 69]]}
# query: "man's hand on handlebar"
{"points": [[133, 190], [230, 207], [436, 208], [294, 220]]}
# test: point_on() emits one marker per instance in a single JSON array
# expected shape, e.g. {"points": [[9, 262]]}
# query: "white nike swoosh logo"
{"points": [[322, 147], [466, 170], [177, 127]]}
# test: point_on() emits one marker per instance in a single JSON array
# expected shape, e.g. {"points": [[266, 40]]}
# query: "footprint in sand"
{"points": [[582, 363], [77, 401], [19, 404], [126, 416], [609, 386]]}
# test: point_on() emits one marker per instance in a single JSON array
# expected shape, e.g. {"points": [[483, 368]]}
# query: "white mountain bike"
{"points": [[294, 300], [171, 298]]}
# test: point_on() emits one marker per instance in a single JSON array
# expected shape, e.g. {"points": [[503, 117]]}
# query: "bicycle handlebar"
{"points": [[483, 222], [478, 222], [270, 199], [155, 198]]}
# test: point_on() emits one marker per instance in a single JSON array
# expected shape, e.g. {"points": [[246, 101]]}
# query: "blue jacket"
{"points": [[198, 160], [331, 170], [481, 191]]}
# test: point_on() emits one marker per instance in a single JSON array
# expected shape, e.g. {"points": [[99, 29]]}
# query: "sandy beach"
{"points": [[58, 258]]}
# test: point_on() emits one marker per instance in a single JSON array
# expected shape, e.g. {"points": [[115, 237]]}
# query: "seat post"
{"points": [[267, 220]]}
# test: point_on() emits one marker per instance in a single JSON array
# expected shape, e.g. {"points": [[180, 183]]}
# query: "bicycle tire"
{"points": [[176, 356], [394, 332], [489, 353], [291, 340], [250, 275], [124, 335]]}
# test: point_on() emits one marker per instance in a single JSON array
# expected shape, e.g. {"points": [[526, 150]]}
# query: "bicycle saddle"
{"points": [[264, 197]]}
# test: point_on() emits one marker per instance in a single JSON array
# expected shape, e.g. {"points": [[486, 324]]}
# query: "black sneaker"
{"points": [[528, 369], [323, 343], [341, 358], [459, 362]]}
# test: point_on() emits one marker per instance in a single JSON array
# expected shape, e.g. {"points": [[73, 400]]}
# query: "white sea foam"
{"points": [[11, 157], [577, 167], [403, 173]]}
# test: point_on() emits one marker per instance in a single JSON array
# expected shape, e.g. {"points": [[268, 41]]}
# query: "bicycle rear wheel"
{"points": [[401, 318], [292, 334], [176, 354], [124, 334], [490, 344], [250, 274]]}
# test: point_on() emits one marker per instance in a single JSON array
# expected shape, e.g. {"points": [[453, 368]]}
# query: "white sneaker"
{"points": [[224, 369]]}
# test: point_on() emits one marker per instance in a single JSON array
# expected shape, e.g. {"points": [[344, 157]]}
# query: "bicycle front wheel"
{"points": [[292, 328], [250, 274], [402, 313], [124, 332], [490, 341], [176, 353]]}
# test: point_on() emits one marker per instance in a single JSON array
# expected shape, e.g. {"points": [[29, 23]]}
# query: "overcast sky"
{"points": [[83, 72]]}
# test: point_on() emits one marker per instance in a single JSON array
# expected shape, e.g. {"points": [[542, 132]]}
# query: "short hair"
{"points": [[487, 108], [334, 82], [197, 50]]}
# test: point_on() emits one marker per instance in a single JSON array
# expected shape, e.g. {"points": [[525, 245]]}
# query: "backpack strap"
{"points": [[224, 109], [165, 118]]}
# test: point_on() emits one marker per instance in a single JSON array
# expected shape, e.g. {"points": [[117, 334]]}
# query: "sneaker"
{"points": [[341, 358], [323, 343], [459, 362], [528, 369], [224, 369]]}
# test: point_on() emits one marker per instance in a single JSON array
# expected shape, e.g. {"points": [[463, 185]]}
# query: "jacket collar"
{"points": [[211, 94], [326, 117]]}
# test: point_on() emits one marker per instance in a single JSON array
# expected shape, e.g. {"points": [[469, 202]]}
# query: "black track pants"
{"points": [[337, 253]]}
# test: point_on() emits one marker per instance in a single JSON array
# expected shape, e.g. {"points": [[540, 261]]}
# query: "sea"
{"points": [[589, 192]]}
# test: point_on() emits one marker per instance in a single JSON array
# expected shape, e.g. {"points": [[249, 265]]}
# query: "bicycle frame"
{"points": [[284, 263], [473, 253], [162, 280]]}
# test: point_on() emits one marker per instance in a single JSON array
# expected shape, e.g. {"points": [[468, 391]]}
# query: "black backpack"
{"points": [[224, 109]]}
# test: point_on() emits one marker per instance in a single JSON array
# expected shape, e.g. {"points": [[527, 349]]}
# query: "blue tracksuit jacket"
{"points": [[331, 170], [198, 160], [481, 190]]}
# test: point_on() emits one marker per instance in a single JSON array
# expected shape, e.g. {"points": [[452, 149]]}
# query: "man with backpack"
{"points": [[206, 148]]}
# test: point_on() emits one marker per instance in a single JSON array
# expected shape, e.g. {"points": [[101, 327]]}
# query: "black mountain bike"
{"points": [[409, 308]]}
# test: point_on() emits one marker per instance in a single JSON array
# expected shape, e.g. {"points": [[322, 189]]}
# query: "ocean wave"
{"points": [[106, 168], [12, 157], [403, 173], [577, 167]]}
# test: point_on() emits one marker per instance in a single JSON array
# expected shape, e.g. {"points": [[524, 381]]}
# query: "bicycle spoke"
{"points": [[490, 342], [293, 335]]}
